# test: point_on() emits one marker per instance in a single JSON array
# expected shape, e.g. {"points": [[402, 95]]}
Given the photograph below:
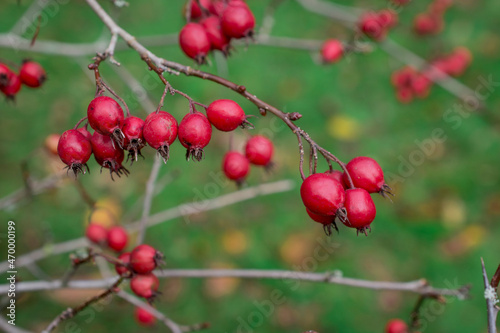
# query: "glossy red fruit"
{"points": [[160, 131], [108, 155], [332, 51], [322, 194], [235, 166], [96, 233], [328, 221], [259, 150], [360, 209], [194, 42], [144, 259], [388, 18], [237, 20], [337, 175], [32, 74], [5, 74], [11, 87], [85, 132], [134, 139], [421, 86], [367, 174], [396, 326], [74, 149], [427, 24], [117, 238], [124, 270], [370, 25], [218, 40], [226, 115], [195, 10], [143, 316], [105, 116], [195, 132], [145, 285]]}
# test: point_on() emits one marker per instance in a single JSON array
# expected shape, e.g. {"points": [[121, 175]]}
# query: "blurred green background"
{"points": [[443, 219]]}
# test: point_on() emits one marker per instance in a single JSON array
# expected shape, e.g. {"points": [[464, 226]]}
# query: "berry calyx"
{"points": [[259, 151], [96, 233], [145, 285], [218, 40], [160, 131], [237, 20], [124, 270], [328, 221], [74, 149], [143, 316], [360, 209], [108, 155], [194, 42], [396, 326], [195, 132], [367, 174], [134, 140], [323, 195], [144, 259], [32, 74], [117, 238], [236, 166], [105, 116], [226, 115], [5, 74], [332, 51]]}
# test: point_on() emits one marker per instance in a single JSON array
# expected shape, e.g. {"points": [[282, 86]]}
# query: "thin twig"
{"points": [[148, 198], [491, 300]]}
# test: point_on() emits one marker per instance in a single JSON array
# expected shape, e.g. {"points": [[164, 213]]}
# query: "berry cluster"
{"points": [[30, 74], [431, 22], [410, 83], [376, 25], [116, 238], [258, 151], [396, 326], [218, 22], [114, 133], [331, 195]]}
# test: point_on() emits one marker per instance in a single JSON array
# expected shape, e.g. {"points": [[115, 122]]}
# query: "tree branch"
{"points": [[148, 198], [491, 300]]}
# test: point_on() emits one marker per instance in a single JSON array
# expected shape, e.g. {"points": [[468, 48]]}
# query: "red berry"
{"points": [[322, 194], [403, 76], [328, 221], [85, 132], [235, 166], [337, 175], [367, 174], [259, 150], [105, 116], [5, 74], [226, 115], [370, 25], [387, 18], [143, 316], [32, 74], [145, 285], [196, 11], [11, 87], [96, 233], [218, 40], [237, 20], [426, 24], [421, 85], [74, 149], [134, 140], [360, 209], [332, 51], [195, 42], [123, 270], [396, 326], [144, 258], [195, 132], [108, 155], [160, 131], [117, 238], [404, 95]]}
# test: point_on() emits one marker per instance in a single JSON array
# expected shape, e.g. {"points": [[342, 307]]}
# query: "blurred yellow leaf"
{"points": [[453, 212], [343, 128], [234, 242], [219, 287]]}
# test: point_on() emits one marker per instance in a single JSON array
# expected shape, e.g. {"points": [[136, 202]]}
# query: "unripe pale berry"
{"points": [[32, 74], [145, 285], [160, 131], [134, 139], [74, 149], [396, 326], [226, 115], [143, 316], [195, 132], [237, 21], [235, 166], [194, 42], [332, 51], [144, 259], [96, 233], [117, 238], [108, 155], [124, 270], [105, 116], [51, 142], [259, 150], [360, 209]]}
